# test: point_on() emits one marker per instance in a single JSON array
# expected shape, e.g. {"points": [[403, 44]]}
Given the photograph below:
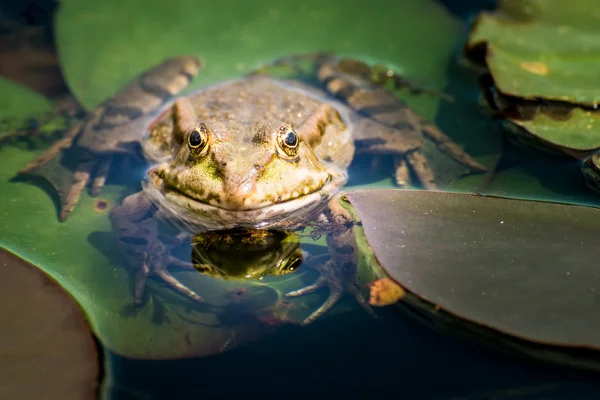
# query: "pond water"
{"points": [[240, 340]]}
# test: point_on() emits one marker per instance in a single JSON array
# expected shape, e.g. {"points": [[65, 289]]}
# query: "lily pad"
{"points": [[47, 350], [549, 126], [82, 254], [234, 37], [541, 49], [522, 268], [544, 50]]}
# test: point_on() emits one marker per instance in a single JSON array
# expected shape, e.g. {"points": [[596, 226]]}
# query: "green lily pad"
{"points": [[13, 106], [46, 351], [234, 37], [99, 54], [12, 113], [579, 131], [522, 268], [542, 49], [553, 127]]}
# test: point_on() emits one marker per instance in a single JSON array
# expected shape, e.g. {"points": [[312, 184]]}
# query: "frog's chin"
{"points": [[198, 216]]}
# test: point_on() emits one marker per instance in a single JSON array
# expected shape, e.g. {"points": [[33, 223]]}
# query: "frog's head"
{"points": [[234, 174]]}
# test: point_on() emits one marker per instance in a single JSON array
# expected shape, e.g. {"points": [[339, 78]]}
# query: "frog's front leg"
{"points": [[339, 272], [135, 223], [115, 127]]}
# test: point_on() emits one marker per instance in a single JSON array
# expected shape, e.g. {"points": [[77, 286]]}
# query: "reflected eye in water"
{"points": [[246, 254], [290, 264]]}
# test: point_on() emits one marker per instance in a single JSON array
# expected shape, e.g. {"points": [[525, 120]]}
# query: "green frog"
{"points": [[259, 152]]}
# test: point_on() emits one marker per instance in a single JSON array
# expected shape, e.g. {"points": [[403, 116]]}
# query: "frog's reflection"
{"points": [[246, 254]]}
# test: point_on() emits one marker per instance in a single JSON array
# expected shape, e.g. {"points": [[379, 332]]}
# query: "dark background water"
{"points": [[342, 355]]}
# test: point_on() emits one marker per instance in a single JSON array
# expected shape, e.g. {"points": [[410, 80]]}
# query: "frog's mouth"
{"points": [[199, 214]]}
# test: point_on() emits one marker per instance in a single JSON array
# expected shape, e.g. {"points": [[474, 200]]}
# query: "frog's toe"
{"points": [[335, 295], [141, 277], [319, 283], [402, 172], [100, 175], [176, 262], [422, 170], [179, 287], [445, 144], [81, 177], [336, 290], [361, 300]]}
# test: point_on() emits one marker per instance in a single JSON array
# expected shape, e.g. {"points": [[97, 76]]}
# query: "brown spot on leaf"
{"points": [[100, 205]]}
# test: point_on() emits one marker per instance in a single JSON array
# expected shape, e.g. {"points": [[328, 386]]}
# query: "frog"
{"points": [[257, 152]]}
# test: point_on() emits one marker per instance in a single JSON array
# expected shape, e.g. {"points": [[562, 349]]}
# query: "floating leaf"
{"points": [[541, 49], [523, 268], [46, 351], [544, 50]]}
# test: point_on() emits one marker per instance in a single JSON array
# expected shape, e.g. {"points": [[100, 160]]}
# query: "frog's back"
{"points": [[253, 100]]}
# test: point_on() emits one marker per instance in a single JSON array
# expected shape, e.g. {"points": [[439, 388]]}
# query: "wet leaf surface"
{"points": [[46, 348], [523, 268], [542, 49], [538, 51]]}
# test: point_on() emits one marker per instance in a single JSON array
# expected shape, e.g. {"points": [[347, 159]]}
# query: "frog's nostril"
{"points": [[223, 164]]}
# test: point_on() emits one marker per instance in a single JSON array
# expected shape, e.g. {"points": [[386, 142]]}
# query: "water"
{"points": [[346, 353]]}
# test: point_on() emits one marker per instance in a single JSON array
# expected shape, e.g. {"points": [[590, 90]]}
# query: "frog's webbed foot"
{"points": [[387, 125], [156, 261], [339, 272], [113, 127], [339, 281], [135, 225]]}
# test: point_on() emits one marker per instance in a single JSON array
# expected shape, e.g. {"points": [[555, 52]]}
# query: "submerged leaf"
{"points": [[47, 351]]}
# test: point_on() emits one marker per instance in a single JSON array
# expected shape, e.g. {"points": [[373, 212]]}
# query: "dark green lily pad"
{"points": [[46, 349], [523, 268]]}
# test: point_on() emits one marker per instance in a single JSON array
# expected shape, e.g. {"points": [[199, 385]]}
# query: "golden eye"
{"points": [[197, 139], [288, 141]]}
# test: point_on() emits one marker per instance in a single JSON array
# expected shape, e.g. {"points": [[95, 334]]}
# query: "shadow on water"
{"points": [[347, 354]]}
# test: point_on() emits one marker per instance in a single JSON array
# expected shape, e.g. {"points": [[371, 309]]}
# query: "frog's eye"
{"points": [[288, 141], [197, 139]]}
